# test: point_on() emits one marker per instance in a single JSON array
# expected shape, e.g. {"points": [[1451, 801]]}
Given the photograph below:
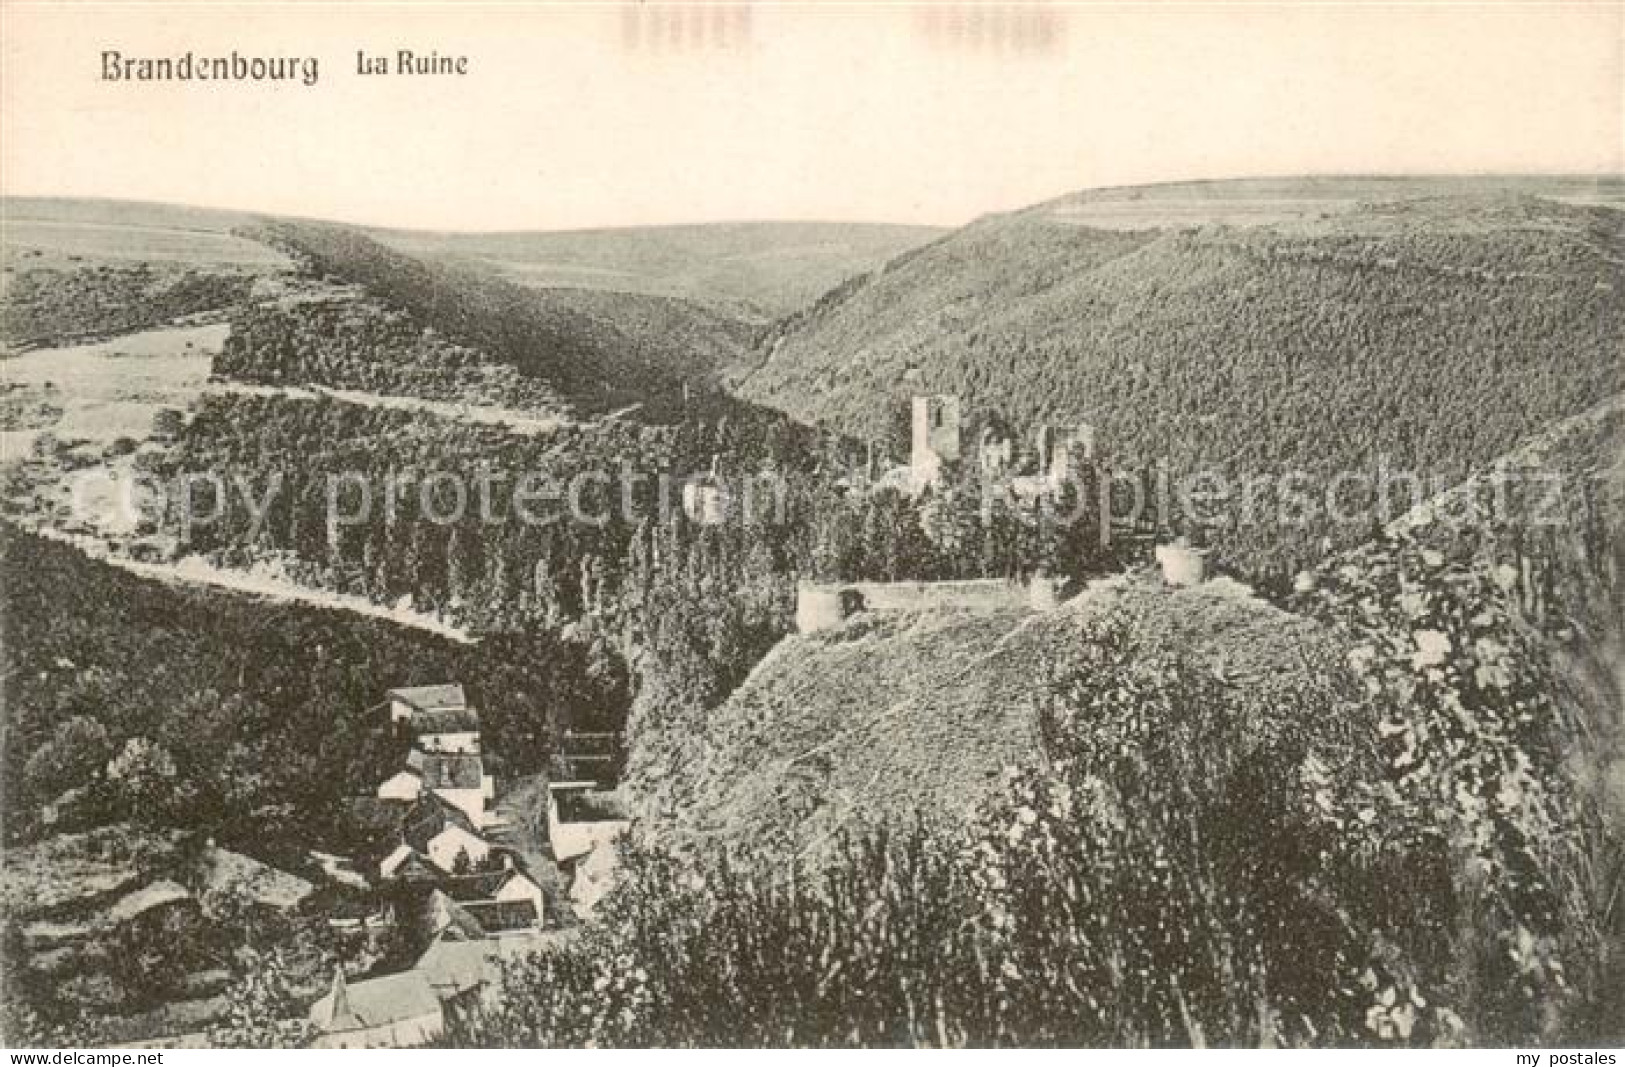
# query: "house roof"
{"points": [[407, 859], [447, 770], [445, 721], [375, 1002], [427, 818], [454, 967], [447, 697], [448, 919], [483, 886], [516, 874], [457, 833], [496, 916]]}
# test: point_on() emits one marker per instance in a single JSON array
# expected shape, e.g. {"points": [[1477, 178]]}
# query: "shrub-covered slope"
{"points": [[894, 714]]}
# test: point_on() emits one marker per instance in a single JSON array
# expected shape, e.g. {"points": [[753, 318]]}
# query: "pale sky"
{"points": [[611, 114]]}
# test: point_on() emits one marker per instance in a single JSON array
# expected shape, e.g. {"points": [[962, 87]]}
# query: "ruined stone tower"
{"points": [[1059, 448], [935, 438]]}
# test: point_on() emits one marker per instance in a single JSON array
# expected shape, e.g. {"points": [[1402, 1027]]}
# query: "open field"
{"points": [[45, 232], [1266, 201], [112, 389], [42, 242]]}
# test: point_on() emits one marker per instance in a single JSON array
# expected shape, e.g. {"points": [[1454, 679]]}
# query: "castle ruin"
{"points": [[934, 441]]}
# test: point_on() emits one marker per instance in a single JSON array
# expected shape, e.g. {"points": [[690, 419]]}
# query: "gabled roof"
{"points": [[456, 832], [445, 721], [375, 1002], [497, 916], [407, 860], [450, 920], [518, 874], [448, 697], [447, 770], [454, 967], [425, 820], [483, 886]]}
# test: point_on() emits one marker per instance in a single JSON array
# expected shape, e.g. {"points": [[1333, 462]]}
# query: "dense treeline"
{"points": [[484, 523], [366, 501], [46, 306], [350, 342], [1425, 337], [247, 719]]}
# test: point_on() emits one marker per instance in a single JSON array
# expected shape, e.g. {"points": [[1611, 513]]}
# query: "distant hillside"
{"points": [[747, 272], [919, 712], [55, 231], [754, 271], [1254, 201], [86, 269], [597, 350]]}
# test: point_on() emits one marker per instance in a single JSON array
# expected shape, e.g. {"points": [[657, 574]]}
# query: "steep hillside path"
{"points": [[518, 422]]}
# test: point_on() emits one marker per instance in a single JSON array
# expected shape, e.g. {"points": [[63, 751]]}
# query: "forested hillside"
{"points": [[343, 339], [600, 351], [254, 720], [55, 306], [1428, 335]]}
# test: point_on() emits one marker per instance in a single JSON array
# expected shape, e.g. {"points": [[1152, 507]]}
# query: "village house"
{"points": [[394, 1011], [454, 843], [477, 919], [458, 778], [448, 730], [407, 864], [500, 918], [414, 700], [406, 785], [582, 847], [463, 898], [505, 886], [444, 918], [459, 970], [520, 887], [437, 832]]}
